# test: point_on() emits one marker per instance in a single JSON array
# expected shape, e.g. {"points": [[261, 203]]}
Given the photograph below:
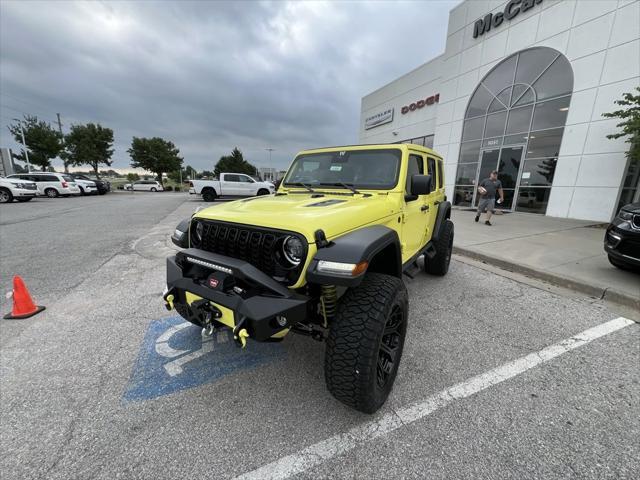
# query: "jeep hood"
{"points": [[305, 213]]}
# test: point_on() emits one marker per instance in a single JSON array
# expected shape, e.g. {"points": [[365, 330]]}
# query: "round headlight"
{"points": [[198, 232], [293, 250]]}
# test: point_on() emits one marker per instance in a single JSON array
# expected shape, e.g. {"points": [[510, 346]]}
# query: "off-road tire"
{"points": [[439, 264], [23, 199], [5, 195], [51, 193], [209, 195], [355, 338], [263, 191]]}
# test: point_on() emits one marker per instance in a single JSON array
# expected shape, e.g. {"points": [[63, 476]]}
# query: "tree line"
{"points": [[92, 144]]}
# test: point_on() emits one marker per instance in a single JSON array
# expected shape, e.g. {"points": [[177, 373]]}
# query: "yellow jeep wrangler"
{"points": [[323, 257]]}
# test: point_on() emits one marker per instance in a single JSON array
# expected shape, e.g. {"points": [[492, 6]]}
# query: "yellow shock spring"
{"points": [[328, 301]]}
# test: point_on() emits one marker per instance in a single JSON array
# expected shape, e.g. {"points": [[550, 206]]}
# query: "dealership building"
{"points": [[521, 88]]}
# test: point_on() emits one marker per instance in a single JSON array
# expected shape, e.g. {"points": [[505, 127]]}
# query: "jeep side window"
{"points": [[416, 166], [440, 174], [431, 164]]}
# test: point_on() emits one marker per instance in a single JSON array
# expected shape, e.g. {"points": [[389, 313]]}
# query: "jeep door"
{"points": [[416, 210], [435, 197]]}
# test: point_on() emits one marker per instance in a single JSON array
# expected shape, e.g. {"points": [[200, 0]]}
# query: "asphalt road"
{"points": [[107, 384]]}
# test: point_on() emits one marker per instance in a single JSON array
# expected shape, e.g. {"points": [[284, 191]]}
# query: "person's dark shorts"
{"points": [[487, 204]]}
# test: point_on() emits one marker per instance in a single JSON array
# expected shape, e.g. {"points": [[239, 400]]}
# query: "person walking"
{"points": [[487, 188]]}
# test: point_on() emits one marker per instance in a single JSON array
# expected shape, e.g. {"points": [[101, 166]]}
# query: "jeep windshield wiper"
{"points": [[348, 186], [300, 184]]}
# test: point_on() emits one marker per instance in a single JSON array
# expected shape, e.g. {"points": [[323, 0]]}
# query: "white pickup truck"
{"points": [[230, 185]]}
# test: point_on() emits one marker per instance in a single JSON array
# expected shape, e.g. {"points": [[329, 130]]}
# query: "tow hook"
{"points": [[209, 313], [168, 299], [240, 334]]}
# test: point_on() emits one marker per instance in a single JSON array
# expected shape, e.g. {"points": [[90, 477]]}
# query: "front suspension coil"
{"points": [[328, 302]]}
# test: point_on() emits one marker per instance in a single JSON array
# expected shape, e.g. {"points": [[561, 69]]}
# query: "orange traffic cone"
{"points": [[23, 306]]}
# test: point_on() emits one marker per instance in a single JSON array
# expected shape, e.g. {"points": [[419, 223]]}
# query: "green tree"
{"points": [[630, 124], [89, 144], [234, 163], [155, 155], [43, 142], [133, 177]]}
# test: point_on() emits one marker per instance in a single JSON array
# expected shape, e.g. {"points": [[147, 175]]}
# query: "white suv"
{"points": [[51, 184], [145, 186], [87, 187], [16, 189]]}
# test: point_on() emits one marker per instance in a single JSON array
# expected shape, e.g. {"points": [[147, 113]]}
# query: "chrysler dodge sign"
{"points": [[378, 119]]}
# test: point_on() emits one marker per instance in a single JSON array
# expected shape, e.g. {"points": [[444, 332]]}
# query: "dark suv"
{"points": [[622, 240]]}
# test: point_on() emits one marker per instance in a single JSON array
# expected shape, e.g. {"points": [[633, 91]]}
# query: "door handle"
{"points": [[424, 208]]}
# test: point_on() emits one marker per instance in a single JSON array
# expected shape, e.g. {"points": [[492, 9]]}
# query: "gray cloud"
{"points": [[211, 75]]}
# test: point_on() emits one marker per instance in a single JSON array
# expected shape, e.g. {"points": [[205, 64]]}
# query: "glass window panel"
{"points": [[479, 102], [428, 141], [532, 63], [505, 97], [509, 165], [632, 179], [533, 200], [473, 129], [518, 90], [525, 99], [519, 120], [501, 76], [516, 139], [545, 143], [469, 152], [418, 141], [495, 124], [463, 196], [538, 172], [552, 113], [466, 173], [556, 81]]}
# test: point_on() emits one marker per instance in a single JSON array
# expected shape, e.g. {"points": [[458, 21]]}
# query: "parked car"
{"points": [[622, 240], [230, 185], [51, 184], [103, 185], [145, 186], [87, 187], [16, 189]]}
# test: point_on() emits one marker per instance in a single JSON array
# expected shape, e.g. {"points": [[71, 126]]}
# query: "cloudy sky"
{"points": [[210, 75]]}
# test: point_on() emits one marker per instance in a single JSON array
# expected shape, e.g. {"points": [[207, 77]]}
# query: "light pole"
{"points": [[270, 150], [24, 144]]}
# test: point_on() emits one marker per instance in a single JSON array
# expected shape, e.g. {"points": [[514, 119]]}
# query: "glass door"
{"points": [[508, 169], [506, 161]]}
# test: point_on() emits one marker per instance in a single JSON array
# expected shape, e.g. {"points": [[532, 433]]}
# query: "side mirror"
{"points": [[180, 236], [420, 184]]}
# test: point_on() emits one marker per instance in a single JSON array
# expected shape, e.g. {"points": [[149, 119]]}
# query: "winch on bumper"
{"points": [[206, 287]]}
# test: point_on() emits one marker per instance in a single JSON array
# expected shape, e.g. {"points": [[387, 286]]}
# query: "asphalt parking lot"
{"points": [[500, 378]]}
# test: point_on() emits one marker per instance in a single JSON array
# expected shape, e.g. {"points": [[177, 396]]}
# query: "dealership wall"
{"points": [[601, 40]]}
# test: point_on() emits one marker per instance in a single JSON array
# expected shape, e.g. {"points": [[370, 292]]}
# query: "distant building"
{"points": [[269, 174]]}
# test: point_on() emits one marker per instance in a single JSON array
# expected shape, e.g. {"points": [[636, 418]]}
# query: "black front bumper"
{"points": [[259, 303], [622, 242]]}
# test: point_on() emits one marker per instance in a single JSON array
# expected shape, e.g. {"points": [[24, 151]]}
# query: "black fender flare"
{"points": [[444, 212], [354, 247], [180, 236]]}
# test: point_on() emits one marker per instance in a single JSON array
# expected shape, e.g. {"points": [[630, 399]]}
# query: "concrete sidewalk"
{"points": [[564, 252]]}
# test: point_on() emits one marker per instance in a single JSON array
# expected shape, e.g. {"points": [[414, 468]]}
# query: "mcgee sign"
{"points": [[378, 119]]}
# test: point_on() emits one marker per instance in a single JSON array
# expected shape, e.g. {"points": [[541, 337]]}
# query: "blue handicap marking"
{"points": [[175, 355]]}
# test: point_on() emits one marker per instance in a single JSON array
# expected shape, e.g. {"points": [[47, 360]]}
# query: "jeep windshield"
{"points": [[348, 169]]}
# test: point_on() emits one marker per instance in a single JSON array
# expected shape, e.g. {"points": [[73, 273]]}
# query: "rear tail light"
{"points": [[64, 184]]}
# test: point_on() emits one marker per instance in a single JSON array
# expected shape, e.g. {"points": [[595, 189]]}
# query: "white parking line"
{"points": [[338, 444]]}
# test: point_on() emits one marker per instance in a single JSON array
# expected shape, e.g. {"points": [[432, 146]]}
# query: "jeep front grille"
{"points": [[261, 247]]}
